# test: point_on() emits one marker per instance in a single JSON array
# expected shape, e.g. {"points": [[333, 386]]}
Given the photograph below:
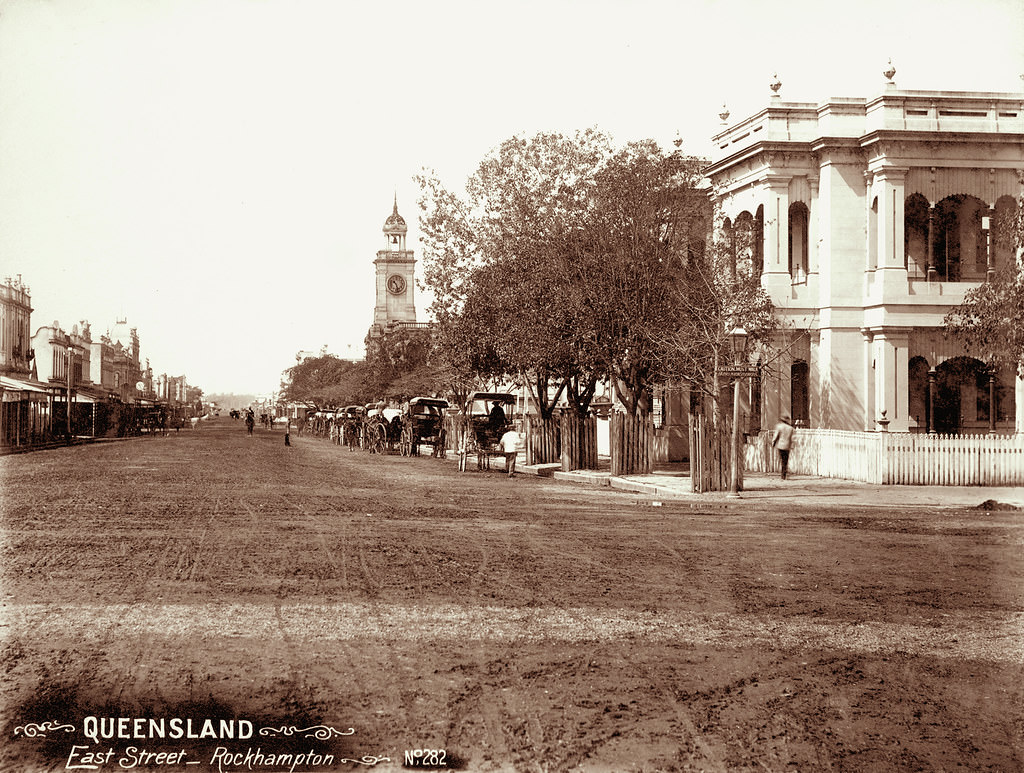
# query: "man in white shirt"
{"points": [[782, 439], [509, 445]]}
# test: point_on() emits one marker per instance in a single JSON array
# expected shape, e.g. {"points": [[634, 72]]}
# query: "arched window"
{"points": [[799, 394], [962, 402], [915, 236], [960, 249], [728, 237], [799, 219], [744, 240]]}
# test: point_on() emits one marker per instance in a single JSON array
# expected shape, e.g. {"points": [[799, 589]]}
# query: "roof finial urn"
{"points": [[890, 72], [724, 115], [775, 85]]}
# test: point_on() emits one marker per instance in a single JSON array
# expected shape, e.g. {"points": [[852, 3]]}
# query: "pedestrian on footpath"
{"points": [[509, 445], [287, 432], [782, 439]]}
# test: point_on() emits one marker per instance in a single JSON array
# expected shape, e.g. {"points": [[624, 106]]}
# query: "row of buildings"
{"points": [[57, 383]]}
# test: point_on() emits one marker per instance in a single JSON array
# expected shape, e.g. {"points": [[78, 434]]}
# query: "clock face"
{"points": [[396, 284]]}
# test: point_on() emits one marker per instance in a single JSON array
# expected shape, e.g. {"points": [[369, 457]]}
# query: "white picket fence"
{"points": [[899, 458]]}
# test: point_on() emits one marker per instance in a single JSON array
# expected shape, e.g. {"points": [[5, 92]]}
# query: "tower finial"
{"points": [[395, 211]]}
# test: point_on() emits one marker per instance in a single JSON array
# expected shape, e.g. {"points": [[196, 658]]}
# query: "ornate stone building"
{"points": [[15, 333], [24, 403], [868, 220]]}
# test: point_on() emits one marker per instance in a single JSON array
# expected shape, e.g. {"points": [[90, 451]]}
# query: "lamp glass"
{"points": [[738, 341]]}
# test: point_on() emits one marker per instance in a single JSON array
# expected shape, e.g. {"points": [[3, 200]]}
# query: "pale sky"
{"points": [[218, 171]]}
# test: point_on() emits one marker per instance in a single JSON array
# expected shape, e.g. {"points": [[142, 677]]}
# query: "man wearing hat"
{"points": [[782, 439]]}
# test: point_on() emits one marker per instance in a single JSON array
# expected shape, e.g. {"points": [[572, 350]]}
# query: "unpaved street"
{"points": [[502, 625]]}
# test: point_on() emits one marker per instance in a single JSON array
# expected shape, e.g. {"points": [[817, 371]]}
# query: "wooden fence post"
{"points": [[631, 439]]}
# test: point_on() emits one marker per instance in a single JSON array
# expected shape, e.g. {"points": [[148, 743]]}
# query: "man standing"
{"points": [[509, 445], [782, 439]]}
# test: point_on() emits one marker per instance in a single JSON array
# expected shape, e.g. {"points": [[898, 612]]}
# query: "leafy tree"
{"points": [[450, 253], [631, 264], [541, 193], [506, 315], [449, 245], [575, 263], [324, 382], [396, 363]]}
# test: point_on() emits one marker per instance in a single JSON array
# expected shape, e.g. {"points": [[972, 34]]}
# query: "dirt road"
{"points": [[390, 606]]}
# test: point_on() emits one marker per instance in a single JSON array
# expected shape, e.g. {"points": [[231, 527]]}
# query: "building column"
{"points": [[892, 268], [931, 273], [992, 402], [987, 222], [815, 387], [776, 234], [932, 375], [869, 380], [1018, 418], [812, 229], [786, 383], [892, 374]]}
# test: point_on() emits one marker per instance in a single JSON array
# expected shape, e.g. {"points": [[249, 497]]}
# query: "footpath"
{"points": [[672, 482]]}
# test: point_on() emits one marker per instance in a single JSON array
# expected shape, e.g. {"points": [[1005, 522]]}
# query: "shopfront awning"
{"points": [[13, 386], [84, 394]]}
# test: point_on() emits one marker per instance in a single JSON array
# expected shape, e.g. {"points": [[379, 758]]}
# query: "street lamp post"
{"points": [[738, 344]]}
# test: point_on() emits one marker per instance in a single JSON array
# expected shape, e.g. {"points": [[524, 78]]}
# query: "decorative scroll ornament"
{"points": [[33, 730], [367, 759], [724, 115], [320, 732], [775, 85]]}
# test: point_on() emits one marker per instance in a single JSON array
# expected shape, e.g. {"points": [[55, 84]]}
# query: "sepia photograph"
{"points": [[541, 387]]}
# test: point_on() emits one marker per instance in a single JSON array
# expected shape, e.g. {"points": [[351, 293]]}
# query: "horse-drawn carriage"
{"points": [[486, 420], [423, 422], [382, 429]]}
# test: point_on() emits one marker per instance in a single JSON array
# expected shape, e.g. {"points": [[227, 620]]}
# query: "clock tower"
{"points": [[394, 276]]}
